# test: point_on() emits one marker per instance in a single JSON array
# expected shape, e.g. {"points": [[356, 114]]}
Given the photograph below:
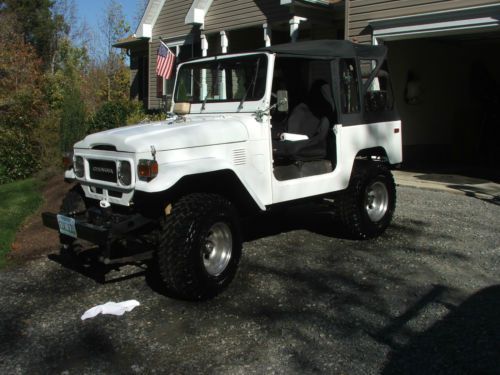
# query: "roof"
{"points": [[129, 41], [328, 49]]}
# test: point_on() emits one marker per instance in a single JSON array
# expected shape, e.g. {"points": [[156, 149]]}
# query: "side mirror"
{"points": [[282, 102]]}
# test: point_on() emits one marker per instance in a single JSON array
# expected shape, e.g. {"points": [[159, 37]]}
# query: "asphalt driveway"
{"points": [[424, 298]]}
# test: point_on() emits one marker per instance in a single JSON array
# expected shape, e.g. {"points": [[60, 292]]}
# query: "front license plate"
{"points": [[66, 225]]}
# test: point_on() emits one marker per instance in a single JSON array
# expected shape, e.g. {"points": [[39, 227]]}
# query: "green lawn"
{"points": [[17, 201]]}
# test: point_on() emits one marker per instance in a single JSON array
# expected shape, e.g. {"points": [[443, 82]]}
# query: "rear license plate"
{"points": [[67, 225]]}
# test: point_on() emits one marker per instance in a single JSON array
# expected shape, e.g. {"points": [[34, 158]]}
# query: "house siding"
{"points": [[360, 12], [170, 24], [237, 14]]}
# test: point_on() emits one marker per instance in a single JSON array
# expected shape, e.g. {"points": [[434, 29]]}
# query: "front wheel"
{"points": [[200, 246], [366, 208]]}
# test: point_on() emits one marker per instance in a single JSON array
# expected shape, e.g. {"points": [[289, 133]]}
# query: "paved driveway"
{"points": [[424, 298]]}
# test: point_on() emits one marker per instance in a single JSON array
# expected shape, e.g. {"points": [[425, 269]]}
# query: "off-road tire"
{"points": [[73, 204], [352, 203], [182, 248]]}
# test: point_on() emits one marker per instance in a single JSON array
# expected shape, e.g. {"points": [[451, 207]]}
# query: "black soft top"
{"points": [[328, 49]]}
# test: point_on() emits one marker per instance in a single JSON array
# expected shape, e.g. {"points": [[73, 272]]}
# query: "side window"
{"points": [[349, 86], [379, 96]]}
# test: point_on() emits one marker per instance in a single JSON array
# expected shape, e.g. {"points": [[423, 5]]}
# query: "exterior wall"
{"points": [[238, 14], [139, 77], [242, 20], [170, 24], [360, 12]]}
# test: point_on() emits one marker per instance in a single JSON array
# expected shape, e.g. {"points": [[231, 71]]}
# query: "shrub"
{"points": [[72, 125], [18, 156], [111, 115], [137, 114]]}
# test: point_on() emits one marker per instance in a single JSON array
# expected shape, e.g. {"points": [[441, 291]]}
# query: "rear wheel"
{"points": [[200, 246], [366, 208]]}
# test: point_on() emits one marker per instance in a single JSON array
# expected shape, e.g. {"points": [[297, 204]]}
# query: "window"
{"points": [[223, 80], [164, 87], [349, 86], [379, 96]]}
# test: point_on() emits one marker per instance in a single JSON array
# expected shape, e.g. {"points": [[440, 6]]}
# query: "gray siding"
{"points": [[360, 12], [222, 15], [237, 14], [170, 24]]}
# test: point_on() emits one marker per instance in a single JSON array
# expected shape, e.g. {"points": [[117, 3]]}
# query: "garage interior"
{"points": [[448, 94]]}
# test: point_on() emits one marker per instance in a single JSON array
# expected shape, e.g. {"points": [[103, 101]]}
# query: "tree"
{"points": [[140, 8], [113, 27], [21, 102], [37, 23]]}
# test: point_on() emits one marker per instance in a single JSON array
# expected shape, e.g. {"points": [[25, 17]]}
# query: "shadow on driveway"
{"points": [[466, 341]]}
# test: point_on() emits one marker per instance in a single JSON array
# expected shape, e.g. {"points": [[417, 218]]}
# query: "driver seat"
{"points": [[312, 121]]}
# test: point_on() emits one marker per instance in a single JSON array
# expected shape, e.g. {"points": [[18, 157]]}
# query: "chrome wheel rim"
{"points": [[217, 249], [376, 201]]}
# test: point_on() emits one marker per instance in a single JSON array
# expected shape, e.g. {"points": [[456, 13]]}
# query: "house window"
{"points": [[183, 53], [349, 86]]}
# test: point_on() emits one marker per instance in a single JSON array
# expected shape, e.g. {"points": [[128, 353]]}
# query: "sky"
{"points": [[91, 11]]}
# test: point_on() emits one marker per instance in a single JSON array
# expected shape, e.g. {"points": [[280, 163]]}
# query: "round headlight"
{"points": [[125, 173], [79, 167]]}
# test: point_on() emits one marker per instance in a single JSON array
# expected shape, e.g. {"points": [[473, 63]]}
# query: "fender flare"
{"points": [[171, 173]]}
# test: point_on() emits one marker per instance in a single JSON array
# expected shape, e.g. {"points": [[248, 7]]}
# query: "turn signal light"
{"points": [[147, 169]]}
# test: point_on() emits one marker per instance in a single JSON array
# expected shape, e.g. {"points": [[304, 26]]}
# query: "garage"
{"points": [[446, 79]]}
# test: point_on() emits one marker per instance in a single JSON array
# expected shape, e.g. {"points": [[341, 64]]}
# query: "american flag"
{"points": [[164, 61]]}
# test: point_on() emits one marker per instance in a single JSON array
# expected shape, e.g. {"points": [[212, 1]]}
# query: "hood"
{"points": [[170, 135]]}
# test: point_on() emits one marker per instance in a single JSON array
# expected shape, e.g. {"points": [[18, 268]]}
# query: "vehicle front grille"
{"points": [[103, 170]]}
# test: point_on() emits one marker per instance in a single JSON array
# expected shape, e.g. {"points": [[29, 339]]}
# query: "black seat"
{"points": [[312, 120]]}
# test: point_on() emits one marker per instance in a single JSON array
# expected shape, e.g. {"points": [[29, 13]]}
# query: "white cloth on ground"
{"points": [[111, 308]]}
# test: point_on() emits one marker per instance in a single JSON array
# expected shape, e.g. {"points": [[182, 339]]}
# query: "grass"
{"points": [[17, 201]]}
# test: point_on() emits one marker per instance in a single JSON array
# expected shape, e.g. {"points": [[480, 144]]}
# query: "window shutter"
{"points": [[159, 86]]}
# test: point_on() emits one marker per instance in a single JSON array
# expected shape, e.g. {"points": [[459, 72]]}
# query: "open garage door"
{"points": [[446, 78]]}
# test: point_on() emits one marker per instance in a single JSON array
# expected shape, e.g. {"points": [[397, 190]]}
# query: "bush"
{"points": [[137, 114], [18, 156], [72, 125], [110, 115]]}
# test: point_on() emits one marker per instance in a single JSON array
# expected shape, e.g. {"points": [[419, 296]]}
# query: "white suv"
{"points": [[248, 131]]}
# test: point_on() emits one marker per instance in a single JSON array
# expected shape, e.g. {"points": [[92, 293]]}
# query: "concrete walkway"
{"points": [[474, 187]]}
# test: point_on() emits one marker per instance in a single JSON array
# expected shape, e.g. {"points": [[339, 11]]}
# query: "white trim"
{"points": [[268, 34], [178, 40], [148, 20], [197, 12], [442, 23]]}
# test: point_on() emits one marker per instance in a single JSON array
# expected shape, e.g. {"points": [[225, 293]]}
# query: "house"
{"points": [[194, 28], [443, 57]]}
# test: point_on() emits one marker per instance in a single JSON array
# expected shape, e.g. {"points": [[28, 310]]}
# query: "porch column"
{"points": [[204, 52], [224, 43], [294, 27], [267, 35]]}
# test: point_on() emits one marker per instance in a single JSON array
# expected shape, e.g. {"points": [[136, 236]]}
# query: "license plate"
{"points": [[67, 225]]}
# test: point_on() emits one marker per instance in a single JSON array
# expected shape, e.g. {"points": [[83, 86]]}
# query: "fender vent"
{"points": [[239, 157]]}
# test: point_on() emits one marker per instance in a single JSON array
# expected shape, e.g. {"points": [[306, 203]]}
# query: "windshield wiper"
{"points": [[252, 84]]}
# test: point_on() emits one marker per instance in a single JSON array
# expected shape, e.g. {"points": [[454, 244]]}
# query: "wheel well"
{"points": [[374, 153], [223, 182]]}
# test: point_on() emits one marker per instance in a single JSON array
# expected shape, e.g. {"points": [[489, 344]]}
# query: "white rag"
{"points": [[293, 137], [112, 308]]}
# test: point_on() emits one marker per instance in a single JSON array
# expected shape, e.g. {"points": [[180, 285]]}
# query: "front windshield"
{"points": [[234, 79]]}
